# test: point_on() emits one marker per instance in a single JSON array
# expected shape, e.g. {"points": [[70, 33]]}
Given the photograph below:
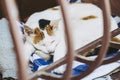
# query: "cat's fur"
{"points": [[87, 27]]}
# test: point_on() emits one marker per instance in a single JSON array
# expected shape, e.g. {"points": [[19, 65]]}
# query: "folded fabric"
{"points": [[71, 1], [38, 62], [117, 19]]}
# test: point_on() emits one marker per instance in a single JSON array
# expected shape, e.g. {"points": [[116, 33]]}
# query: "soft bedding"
{"points": [[8, 66]]}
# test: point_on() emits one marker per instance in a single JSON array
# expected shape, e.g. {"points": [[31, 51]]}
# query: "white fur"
{"points": [[7, 53], [84, 31]]}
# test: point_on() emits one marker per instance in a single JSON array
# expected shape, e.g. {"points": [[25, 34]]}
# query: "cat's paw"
{"points": [[43, 55], [51, 49]]}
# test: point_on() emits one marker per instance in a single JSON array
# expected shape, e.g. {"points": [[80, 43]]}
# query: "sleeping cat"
{"points": [[45, 35], [42, 40]]}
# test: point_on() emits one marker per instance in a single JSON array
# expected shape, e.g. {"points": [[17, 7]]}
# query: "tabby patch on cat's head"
{"points": [[46, 28], [39, 35], [36, 33], [50, 30]]}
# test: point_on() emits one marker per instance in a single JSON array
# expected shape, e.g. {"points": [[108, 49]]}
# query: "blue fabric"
{"points": [[118, 21], [39, 62], [36, 63], [112, 54], [73, 1], [80, 69], [57, 73], [118, 24], [77, 70], [113, 16], [21, 24]]}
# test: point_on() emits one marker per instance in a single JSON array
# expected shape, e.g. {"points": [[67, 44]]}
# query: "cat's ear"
{"points": [[28, 30], [55, 23]]}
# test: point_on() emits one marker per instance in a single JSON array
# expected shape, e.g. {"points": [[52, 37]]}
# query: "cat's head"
{"points": [[46, 28]]}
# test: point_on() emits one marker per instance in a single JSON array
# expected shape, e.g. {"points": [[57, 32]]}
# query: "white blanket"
{"points": [[7, 53]]}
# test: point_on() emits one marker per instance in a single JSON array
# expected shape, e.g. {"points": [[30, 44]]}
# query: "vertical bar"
{"points": [[105, 6], [67, 22], [10, 9]]}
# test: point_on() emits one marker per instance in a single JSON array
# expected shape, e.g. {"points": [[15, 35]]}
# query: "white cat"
{"points": [[87, 27]]}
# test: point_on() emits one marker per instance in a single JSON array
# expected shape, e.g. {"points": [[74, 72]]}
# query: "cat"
{"points": [[42, 40], [45, 34]]}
